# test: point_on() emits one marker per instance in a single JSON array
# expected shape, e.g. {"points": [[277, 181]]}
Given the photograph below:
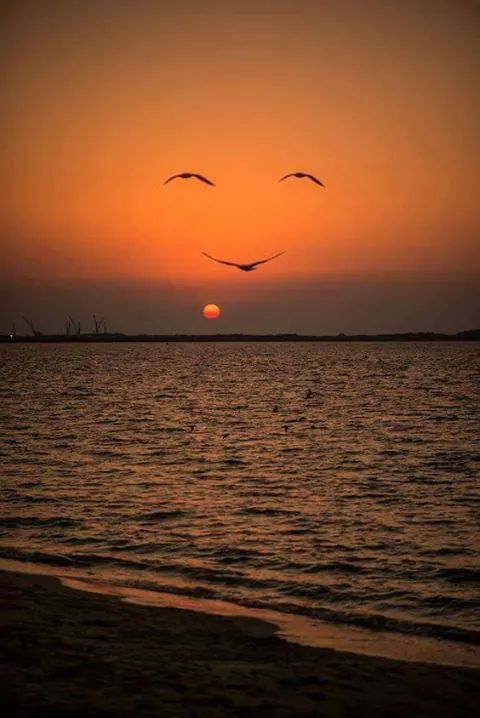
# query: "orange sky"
{"points": [[104, 100]]}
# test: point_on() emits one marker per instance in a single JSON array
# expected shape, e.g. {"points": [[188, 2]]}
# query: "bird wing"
{"points": [[262, 261], [314, 179], [221, 261], [204, 179], [302, 174], [189, 175], [171, 178]]}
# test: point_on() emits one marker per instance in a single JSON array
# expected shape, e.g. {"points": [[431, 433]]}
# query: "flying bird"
{"points": [[250, 267], [302, 175], [189, 175]]}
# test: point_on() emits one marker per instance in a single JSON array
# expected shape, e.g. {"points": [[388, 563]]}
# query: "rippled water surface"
{"points": [[332, 480]]}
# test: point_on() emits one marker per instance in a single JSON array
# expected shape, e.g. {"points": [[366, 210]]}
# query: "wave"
{"points": [[38, 499], [164, 515], [342, 566], [40, 557], [460, 575], [16, 521], [378, 622], [68, 559], [267, 511], [216, 579]]}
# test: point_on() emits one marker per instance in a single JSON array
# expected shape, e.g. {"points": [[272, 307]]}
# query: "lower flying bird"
{"points": [[250, 267], [302, 175], [189, 175]]}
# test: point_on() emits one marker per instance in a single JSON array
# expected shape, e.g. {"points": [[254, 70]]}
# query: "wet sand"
{"points": [[69, 653]]}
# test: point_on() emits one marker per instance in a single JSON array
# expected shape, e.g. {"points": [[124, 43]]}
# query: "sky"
{"points": [[103, 101]]}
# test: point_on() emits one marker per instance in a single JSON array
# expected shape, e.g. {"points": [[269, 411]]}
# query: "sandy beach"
{"points": [[69, 653]]}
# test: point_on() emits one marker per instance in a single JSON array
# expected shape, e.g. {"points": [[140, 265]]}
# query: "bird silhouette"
{"points": [[190, 175], [248, 267], [302, 175]]}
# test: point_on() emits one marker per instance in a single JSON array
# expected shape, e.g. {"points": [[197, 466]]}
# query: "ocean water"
{"points": [[338, 481]]}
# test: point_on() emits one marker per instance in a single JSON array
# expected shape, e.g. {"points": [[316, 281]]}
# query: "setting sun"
{"points": [[211, 311]]}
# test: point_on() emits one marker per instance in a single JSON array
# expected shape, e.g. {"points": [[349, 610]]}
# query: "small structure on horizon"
{"points": [[32, 327]]}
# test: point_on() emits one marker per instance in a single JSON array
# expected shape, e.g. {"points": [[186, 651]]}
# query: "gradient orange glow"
{"points": [[106, 100], [211, 311]]}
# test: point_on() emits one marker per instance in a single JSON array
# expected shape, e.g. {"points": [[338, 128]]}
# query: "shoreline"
{"points": [[464, 336], [291, 628], [66, 652]]}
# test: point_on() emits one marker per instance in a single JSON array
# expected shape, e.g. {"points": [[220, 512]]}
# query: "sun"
{"points": [[211, 311]]}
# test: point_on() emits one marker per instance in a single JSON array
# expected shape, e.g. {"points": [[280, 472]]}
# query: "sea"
{"points": [[337, 483]]}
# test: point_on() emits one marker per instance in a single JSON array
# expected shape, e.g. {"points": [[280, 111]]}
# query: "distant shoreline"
{"points": [[469, 335]]}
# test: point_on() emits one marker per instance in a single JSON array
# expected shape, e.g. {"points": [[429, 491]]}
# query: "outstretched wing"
{"points": [[171, 178], [190, 175], [300, 175], [315, 179], [221, 261], [262, 261], [204, 179]]}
